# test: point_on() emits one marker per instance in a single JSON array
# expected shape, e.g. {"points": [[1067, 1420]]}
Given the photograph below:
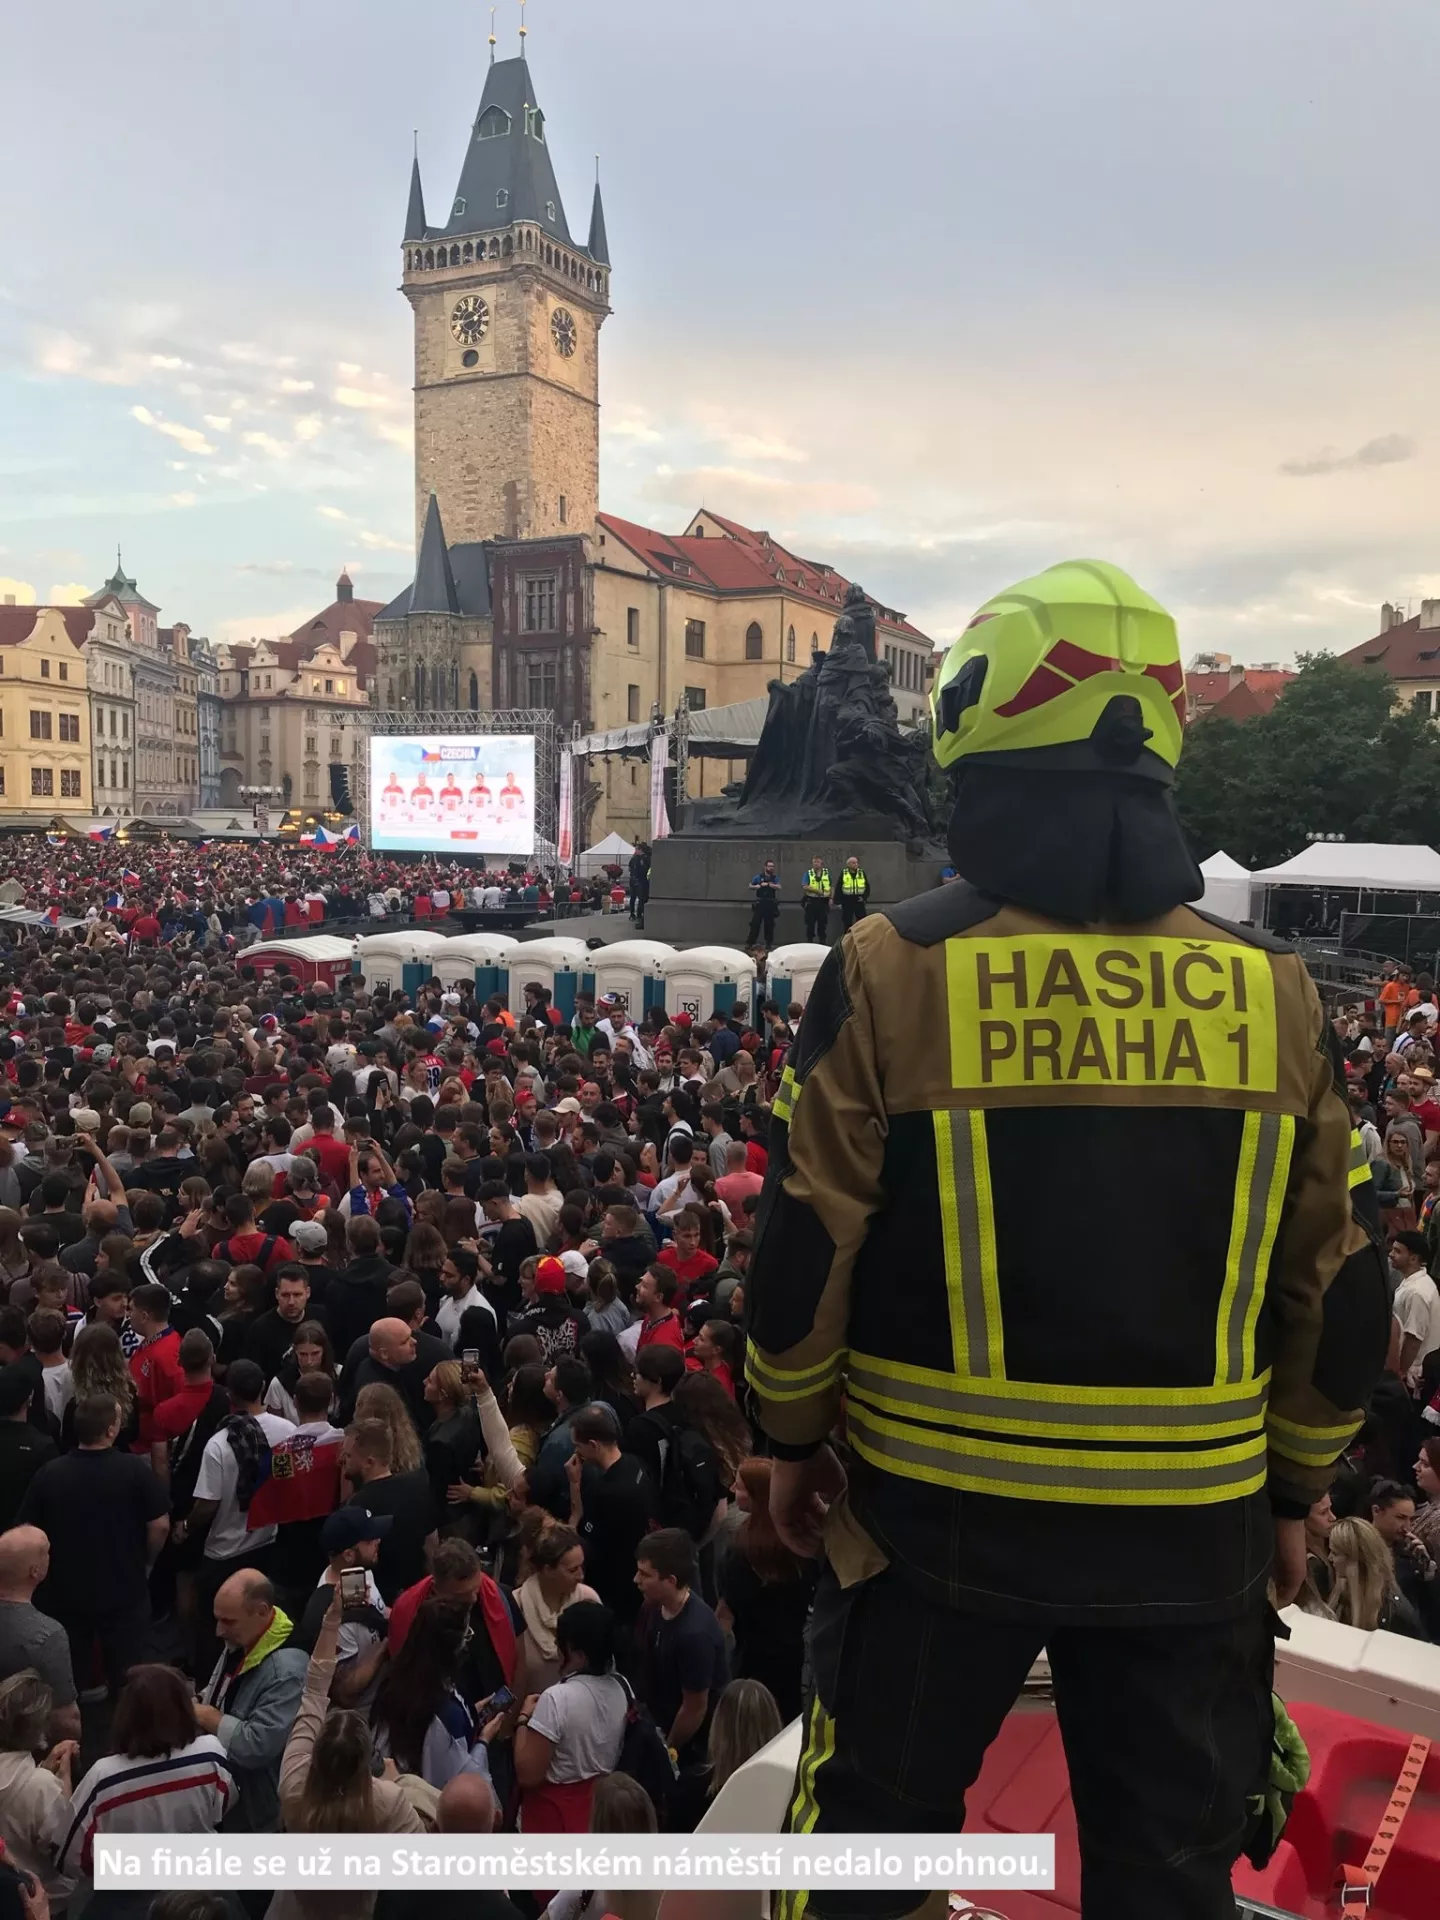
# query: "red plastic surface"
{"points": [[1024, 1787]]}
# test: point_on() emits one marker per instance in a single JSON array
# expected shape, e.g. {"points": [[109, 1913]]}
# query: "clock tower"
{"points": [[508, 310]]}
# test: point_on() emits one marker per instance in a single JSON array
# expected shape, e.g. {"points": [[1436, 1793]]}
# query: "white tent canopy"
{"points": [[609, 852], [1227, 887], [1357, 866]]}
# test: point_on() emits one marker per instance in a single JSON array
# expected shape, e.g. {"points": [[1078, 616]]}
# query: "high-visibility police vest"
{"points": [[853, 882], [818, 883], [1151, 1338]]}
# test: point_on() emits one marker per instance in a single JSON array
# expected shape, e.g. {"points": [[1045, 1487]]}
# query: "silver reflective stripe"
{"points": [[1057, 1473], [1257, 1218], [1103, 1415], [971, 1241], [1323, 1446]]}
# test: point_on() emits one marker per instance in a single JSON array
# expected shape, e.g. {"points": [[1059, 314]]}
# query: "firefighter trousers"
{"points": [[1167, 1730]]}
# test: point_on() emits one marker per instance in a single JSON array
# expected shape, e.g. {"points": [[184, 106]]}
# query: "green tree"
{"points": [[1334, 755]]}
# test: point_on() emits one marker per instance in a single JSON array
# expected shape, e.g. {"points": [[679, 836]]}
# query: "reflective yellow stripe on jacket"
{"points": [[1094, 1444], [1359, 1161]]}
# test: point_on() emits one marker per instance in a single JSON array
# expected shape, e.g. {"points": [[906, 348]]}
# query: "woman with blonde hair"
{"points": [[377, 1401], [1395, 1183], [97, 1365], [746, 1719], [1365, 1593], [559, 1561], [327, 1783]]}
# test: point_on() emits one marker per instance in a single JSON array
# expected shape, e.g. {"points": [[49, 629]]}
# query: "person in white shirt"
{"points": [[681, 1155], [230, 1468], [1416, 1307], [457, 1282]]}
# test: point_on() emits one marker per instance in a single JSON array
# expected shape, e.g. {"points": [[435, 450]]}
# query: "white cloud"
{"points": [[309, 426], [349, 368], [190, 438], [1386, 451], [69, 593], [22, 591], [634, 427], [169, 360], [385, 543], [357, 397], [266, 443], [219, 421], [398, 433], [332, 513], [246, 354], [182, 499], [297, 386]]}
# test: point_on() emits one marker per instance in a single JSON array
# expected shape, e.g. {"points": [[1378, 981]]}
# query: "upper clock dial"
{"points": [[470, 322], [564, 332]]}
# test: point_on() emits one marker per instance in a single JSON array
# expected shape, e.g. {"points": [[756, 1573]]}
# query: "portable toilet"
{"points": [[631, 970], [703, 981], [396, 962], [481, 959], [790, 972], [321, 960], [560, 965]]}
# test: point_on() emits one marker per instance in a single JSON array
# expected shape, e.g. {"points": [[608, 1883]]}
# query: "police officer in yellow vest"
{"points": [[815, 898], [852, 890], [1096, 1427]]}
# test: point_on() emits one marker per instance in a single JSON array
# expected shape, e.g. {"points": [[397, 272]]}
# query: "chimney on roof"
{"points": [[9, 599], [1389, 617], [1429, 614]]}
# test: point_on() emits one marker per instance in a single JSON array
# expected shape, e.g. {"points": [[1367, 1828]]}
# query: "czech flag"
{"points": [[53, 916], [351, 835], [113, 900], [129, 879], [101, 833]]}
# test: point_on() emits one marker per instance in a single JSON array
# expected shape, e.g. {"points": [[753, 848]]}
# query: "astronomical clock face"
{"points": [[470, 322], [564, 332]]}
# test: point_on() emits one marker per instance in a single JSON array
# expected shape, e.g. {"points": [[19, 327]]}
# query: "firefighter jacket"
{"points": [[816, 886], [1058, 1222], [851, 889]]}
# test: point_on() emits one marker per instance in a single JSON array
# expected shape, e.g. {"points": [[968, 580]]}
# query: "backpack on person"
{"points": [[644, 1755], [690, 1485]]}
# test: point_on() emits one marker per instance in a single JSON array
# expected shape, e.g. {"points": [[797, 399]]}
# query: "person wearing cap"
{"points": [[350, 1538], [549, 1316], [1038, 1458]]}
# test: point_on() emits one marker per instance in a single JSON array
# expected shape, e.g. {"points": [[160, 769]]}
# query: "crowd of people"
{"points": [[374, 1442], [1374, 1538], [215, 895]]}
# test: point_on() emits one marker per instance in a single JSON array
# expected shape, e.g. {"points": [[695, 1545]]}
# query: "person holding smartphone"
{"points": [[350, 1540]]}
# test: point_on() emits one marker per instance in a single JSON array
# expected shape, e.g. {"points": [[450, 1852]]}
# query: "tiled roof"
{"points": [[1242, 702], [1407, 652], [743, 561], [18, 623]]}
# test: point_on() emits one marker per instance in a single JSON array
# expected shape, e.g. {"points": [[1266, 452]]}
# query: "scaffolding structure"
{"points": [[537, 721]]}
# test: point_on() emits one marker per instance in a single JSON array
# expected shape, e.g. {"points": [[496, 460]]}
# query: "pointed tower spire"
{"points": [[598, 246], [434, 589], [415, 213], [507, 177]]}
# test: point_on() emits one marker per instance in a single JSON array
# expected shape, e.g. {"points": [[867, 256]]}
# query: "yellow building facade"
{"points": [[44, 712]]}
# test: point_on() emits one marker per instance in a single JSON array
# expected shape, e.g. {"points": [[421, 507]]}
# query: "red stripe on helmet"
{"points": [[1079, 662], [1171, 676], [1042, 687]]}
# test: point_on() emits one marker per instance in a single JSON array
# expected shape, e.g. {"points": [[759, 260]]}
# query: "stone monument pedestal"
{"points": [[700, 882]]}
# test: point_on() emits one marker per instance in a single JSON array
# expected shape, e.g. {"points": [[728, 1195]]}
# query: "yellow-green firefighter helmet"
{"points": [[1077, 659]]}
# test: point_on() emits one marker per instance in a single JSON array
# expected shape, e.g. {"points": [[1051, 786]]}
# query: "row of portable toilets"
{"points": [[641, 974]]}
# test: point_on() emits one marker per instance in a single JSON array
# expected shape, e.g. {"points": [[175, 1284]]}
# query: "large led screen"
{"points": [[453, 793]]}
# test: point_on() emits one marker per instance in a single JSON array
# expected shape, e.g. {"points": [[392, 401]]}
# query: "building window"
{"points": [[125, 726], [695, 699], [69, 726], [790, 647], [69, 783], [340, 688], [540, 603], [494, 124], [549, 209], [125, 773], [541, 683], [39, 725], [329, 686], [113, 781], [312, 784], [44, 669], [42, 781], [264, 743], [310, 743], [632, 626], [754, 641], [1422, 701], [310, 716], [64, 670], [502, 199], [632, 703], [694, 639], [474, 693]]}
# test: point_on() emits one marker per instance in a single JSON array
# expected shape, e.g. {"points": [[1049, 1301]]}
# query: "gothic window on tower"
{"points": [[754, 641], [535, 127], [494, 124], [540, 603], [790, 646], [541, 683], [502, 198], [474, 693]]}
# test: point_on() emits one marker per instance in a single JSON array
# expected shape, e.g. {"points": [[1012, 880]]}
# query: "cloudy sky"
{"points": [[939, 291]]}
